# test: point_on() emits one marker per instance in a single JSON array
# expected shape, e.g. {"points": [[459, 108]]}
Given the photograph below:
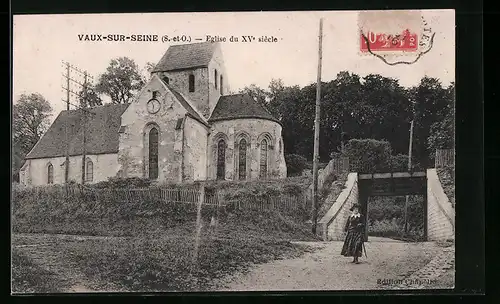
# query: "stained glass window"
{"points": [[221, 159], [153, 153], [50, 174], [90, 171], [242, 169], [263, 158]]}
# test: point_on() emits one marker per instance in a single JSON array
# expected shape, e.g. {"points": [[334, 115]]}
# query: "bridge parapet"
{"points": [[332, 224], [441, 214]]}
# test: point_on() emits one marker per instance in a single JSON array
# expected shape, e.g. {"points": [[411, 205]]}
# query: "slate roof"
{"points": [[239, 106], [101, 136], [186, 56]]}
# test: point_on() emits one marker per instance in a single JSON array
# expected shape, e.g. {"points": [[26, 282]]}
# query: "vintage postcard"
{"points": [[233, 151]]}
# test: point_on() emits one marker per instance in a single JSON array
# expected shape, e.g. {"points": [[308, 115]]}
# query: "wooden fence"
{"points": [[444, 158], [215, 198], [286, 202]]}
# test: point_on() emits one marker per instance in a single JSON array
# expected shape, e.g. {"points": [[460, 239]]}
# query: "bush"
{"points": [[386, 216], [295, 164], [48, 210], [447, 179], [120, 182], [368, 155], [399, 162]]}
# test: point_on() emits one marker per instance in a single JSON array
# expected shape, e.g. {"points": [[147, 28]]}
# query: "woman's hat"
{"points": [[355, 206]]}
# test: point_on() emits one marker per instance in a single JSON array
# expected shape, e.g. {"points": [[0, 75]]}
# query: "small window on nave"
{"points": [[221, 85], [89, 176], [215, 78], [191, 83], [50, 174]]}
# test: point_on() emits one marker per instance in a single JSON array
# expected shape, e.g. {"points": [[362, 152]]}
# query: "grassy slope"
{"points": [[164, 261], [447, 179], [158, 254]]}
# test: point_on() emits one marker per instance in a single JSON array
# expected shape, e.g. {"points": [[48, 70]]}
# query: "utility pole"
{"points": [[409, 170], [80, 106], [84, 117], [316, 133], [66, 163]]}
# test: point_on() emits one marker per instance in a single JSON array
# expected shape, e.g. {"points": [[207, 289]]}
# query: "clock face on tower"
{"points": [[153, 106]]}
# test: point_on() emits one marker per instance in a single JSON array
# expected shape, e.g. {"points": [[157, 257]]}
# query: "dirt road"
{"points": [[424, 265], [390, 265]]}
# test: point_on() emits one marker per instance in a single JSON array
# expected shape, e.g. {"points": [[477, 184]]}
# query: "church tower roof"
{"points": [[186, 56], [240, 106]]}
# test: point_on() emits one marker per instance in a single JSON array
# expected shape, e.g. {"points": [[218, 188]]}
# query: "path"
{"points": [[388, 262]]}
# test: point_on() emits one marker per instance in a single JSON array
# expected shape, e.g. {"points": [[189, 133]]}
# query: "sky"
{"points": [[42, 42]]}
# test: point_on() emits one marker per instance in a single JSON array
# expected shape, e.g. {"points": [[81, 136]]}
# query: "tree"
{"points": [[442, 132], [368, 155], [89, 97], [295, 164], [431, 104], [257, 93], [388, 111], [121, 80], [146, 71], [275, 97], [341, 106], [30, 119]]}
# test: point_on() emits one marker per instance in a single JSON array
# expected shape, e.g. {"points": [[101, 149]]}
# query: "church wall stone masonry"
{"points": [[181, 127]]}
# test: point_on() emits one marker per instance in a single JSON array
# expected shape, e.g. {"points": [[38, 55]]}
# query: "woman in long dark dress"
{"points": [[353, 244]]}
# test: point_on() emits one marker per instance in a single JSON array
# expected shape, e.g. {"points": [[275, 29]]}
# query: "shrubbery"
{"points": [[368, 155], [119, 182], [386, 217], [112, 211], [295, 164], [447, 180], [259, 188]]}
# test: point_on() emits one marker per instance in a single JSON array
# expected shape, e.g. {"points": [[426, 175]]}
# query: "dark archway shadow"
{"points": [[392, 184]]}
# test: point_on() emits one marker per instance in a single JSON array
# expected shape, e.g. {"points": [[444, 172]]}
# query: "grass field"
{"points": [[27, 277], [163, 259]]}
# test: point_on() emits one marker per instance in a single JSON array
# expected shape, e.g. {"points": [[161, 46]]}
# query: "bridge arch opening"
{"points": [[389, 188]]}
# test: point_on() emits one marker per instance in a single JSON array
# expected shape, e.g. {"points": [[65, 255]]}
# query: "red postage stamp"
{"points": [[373, 41], [395, 37]]}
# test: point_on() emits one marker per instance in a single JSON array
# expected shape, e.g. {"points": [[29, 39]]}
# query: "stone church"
{"points": [[182, 126]]}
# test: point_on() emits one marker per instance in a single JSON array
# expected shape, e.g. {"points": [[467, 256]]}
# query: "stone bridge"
{"points": [[439, 213]]}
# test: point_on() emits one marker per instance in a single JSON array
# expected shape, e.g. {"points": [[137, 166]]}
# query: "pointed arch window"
{"points": [[191, 83], [153, 153], [89, 176], [50, 174], [216, 80], [221, 159], [221, 85], [242, 161], [263, 159]]}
